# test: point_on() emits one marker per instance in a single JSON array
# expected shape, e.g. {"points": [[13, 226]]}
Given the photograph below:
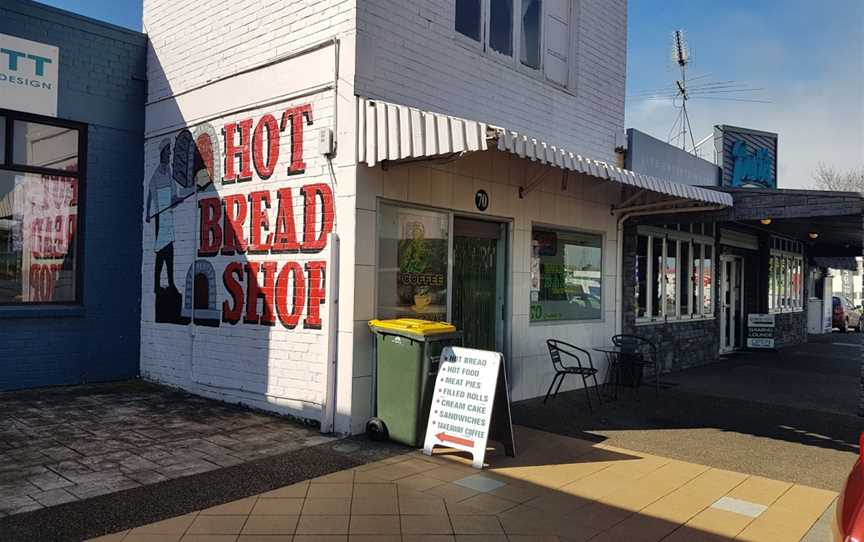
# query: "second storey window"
{"points": [[469, 18], [535, 35]]}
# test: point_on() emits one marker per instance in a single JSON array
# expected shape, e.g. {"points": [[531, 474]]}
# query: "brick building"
{"points": [[309, 166], [71, 134]]}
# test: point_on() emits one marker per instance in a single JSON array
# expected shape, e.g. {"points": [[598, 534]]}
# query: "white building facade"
{"points": [[314, 165]]}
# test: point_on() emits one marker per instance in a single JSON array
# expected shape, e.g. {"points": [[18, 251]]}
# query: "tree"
{"points": [[828, 178]]}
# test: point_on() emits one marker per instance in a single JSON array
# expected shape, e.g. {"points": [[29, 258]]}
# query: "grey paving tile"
{"points": [[49, 480], [54, 497]]}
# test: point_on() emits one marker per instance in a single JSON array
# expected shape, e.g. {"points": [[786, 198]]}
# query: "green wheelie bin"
{"points": [[408, 351]]}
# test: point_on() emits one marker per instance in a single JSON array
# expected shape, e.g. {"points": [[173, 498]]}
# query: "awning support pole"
{"points": [[535, 182]]}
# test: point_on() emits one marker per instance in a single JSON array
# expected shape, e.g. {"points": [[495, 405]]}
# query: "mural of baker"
{"points": [[161, 200]]}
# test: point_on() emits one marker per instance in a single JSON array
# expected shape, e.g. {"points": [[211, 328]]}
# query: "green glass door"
{"points": [[478, 268]]}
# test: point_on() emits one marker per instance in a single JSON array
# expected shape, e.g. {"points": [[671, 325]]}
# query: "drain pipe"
{"points": [[624, 217]]}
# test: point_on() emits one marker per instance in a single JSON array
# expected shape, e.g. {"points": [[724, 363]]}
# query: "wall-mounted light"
{"points": [[765, 221], [813, 235]]}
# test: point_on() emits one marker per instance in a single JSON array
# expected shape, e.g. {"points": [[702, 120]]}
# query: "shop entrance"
{"points": [[732, 303], [479, 264]]}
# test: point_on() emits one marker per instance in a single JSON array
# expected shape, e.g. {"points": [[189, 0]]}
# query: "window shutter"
{"points": [[557, 51]]}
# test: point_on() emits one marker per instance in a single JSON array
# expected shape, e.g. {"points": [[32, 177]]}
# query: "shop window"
{"points": [[468, 18], [412, 263], [642, 276], [44, 146], [2, 139], [785, 276], [674, 273], [566, 278], [39, 208]]}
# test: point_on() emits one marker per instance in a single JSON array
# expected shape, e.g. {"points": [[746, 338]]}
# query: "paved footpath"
{"points": [[70, 444], [558, 488]]}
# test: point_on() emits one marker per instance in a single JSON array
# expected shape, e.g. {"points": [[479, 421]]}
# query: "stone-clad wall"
{"points": [[791, 329], [682, 344]]}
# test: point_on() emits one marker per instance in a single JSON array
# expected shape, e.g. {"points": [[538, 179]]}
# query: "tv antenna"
{"points": [[685, 89], [681, 57]]}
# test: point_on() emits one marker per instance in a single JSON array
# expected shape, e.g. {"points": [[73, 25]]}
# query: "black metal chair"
{"points": [[638, 352], [556, 349]]}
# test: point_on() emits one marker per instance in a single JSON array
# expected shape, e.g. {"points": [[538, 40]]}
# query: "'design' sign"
{"points": [[470, 395]]}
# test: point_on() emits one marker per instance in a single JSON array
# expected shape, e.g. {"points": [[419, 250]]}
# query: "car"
{"points": [[848, 523], [844, 315]]}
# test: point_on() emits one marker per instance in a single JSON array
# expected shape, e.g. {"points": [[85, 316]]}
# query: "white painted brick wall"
{"points": [[408, 54], [270, 367], [194, 41]]}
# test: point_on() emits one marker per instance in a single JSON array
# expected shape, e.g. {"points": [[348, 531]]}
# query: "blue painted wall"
{"points": [[102, 83]]}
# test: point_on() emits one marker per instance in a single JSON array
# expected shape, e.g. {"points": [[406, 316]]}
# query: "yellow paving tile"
{"points": [[419, 482], [636, 468], [561, 503], [330, 491], [374, 525], [340, 477], [449, 473], [421, 507], [374, 491], [234, 508], [476, 525], [154, 537], [265, 538], [716, 522], [209, 538], [319, 538], [694, 496], [518, 492], [377, 507], [217, 525], [635, 497], [176, 525], [481, 538], [374, 538], [277, 507], [484, 504], [428, 538], [439, 524], [637, 528], [806, 499], [266, 525], [372, 476], [327, 507], [451, 493], [323, 525], [113, 537], [760, 490], [295, 491]]}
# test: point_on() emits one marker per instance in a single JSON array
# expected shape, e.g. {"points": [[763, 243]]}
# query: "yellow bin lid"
{"points": [[412, 326]]}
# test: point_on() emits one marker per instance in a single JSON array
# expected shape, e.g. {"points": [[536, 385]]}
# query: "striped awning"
{"points": [[388, 131]]}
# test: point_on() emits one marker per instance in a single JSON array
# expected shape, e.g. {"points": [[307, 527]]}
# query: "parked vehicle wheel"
{"points": [[844, 326], [861, 324], [377, 430]]}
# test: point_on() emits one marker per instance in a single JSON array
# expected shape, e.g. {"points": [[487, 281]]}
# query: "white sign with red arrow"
{"points": [[464, 399]]}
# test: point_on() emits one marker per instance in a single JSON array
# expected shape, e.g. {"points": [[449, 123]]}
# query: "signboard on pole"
{"points": [[28, 75], [470, 401], [760, 331]]}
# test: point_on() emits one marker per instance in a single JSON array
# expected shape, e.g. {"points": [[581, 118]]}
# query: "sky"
{"points": [[807, 56]]}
